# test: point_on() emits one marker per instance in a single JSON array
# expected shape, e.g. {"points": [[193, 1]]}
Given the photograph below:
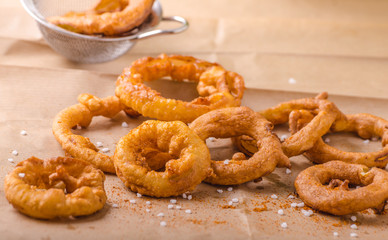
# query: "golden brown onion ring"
{"points": [[237, 121], [162, 159], [365, 125], [336, 198], [81, 114], [325, 114], [109, 17], [57, 187], [217, 87]]}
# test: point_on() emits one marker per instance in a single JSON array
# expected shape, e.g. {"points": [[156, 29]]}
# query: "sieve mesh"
{"points": [[91, 49]]}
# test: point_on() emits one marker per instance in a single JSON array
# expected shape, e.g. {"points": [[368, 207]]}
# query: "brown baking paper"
{"points": [[31, 97]]}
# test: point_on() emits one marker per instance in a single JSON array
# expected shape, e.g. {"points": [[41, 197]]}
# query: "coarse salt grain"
{"points": [[138, 195], [15, 153], [354, 235], [148, 203], [357, 187], [366, 141], [230, 203], [189, 197], [212, 139], [220, 191], [353, 218], [375, 138], [284, 225], [114, 205], [291, 197], [327, 140], [280, 212], [335, 234], [99, 144], [132, 201], [22, 175], [163, 223], [184, 195], [10, 160], [173, 201], [226, 161], [178, 207], [105, 150], [23, 132], [274, 196], [291, 81], [229, 189], [288, 171], [235, 200], [307, 213], [160, 215], [353, 226], [148, 210], [294, 205], [170, 206], [300, 204], [188, 211], [124, 125], [283, 138]]}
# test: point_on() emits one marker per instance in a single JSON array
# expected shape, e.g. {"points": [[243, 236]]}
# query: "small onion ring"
{"points": [[162, 159], [217, 87], [237, 121], [81, 114], [365, 125], [336, 198], [109, 17], [57, 187], [326, 114]]}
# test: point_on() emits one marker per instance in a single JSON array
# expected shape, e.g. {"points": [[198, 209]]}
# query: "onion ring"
{"points": [[162, 159], [237, 121], [81, 114], [336, 198], [109, 17], [57, 187], [365, 125], [217, 87], [326, 114]]}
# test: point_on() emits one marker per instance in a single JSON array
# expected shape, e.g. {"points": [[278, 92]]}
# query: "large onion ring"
{"points": [[326, 113], [365, 125], [336, 198], [237, 121], [81, 114], [217, 87], [57, 187], [162, 159], [109, 17]]}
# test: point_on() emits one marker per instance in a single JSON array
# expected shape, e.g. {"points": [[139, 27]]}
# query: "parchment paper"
{"points": [[31, 97]]}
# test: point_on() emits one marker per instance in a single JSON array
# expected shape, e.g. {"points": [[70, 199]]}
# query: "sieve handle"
{"points": [[152, 33]]}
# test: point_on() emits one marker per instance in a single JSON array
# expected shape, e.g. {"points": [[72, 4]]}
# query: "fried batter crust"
{"points": [[81, 114], [336, 198], [109, 17], [217, 87], [365, 125], [57, 187], [162, 159], [237, 121]]}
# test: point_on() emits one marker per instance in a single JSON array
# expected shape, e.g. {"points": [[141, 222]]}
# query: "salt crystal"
{"points": [[99, 144], [366, 141], [353, 226], [173, 201], [327, 140], [354, 235], [353, 218], [163, 223], [138, 195], [148, 203], [220, 191], [226, 162], [335, 234], [235, 200], [160, 215], [284, 225], [283, 138], [105, 150], [10, 160], [281, 212], [132, 201], [23, 132], [230, 189], [189, 197], [288, 171], [15, 153], [274, 196], [291, 81], [170, 206], [114, 205], [188, 211], [300, 204], [22, 175], [124, 125]]}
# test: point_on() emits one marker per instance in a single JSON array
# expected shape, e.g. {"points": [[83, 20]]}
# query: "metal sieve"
{"points": [[93, 49]]}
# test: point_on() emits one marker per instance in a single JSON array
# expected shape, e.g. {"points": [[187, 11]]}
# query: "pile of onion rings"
{"points": [[109, 17], [167, 158]]}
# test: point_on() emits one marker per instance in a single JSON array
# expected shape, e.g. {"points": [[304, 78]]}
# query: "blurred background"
{"points": [[339, 46]]}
